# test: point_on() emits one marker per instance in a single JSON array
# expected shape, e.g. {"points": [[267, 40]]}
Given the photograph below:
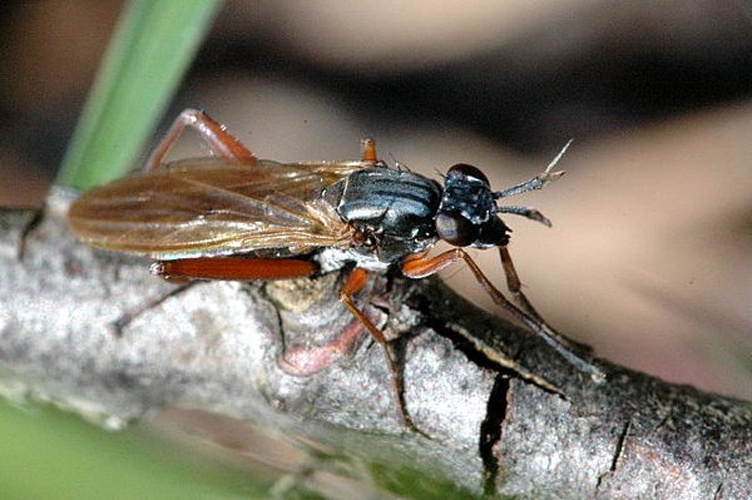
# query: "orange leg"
{"points": [[369, 151], [355, 282], [233, 268], [421, 266], [220, 141], [515, 285]]}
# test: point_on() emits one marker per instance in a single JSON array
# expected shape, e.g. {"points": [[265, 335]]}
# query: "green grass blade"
{"points": [[151, 49]]}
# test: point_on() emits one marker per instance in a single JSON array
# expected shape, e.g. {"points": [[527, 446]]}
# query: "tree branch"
{"points": [[96, 333]]}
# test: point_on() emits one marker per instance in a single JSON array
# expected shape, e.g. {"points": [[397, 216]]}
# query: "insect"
{"points": [[233, 216]]}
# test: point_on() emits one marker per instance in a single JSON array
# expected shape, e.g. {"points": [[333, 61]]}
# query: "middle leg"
{"points": [[355, 282]]}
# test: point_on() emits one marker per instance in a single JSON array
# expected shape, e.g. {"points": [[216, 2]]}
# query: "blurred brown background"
{"points": [[649, 257]]}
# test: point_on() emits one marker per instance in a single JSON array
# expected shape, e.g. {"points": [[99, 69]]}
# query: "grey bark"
{"points": [[74, 330]]}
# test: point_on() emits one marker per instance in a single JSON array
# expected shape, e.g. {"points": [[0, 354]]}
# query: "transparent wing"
{"points": [[211, 206]]}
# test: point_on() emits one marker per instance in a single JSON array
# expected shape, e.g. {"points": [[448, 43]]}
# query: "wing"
{"points": [[206, 207]]}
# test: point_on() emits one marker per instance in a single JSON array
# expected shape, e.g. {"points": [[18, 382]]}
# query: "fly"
{"points": [[233, 216]]}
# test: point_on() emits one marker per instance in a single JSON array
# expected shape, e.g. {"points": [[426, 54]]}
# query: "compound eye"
{"points": [[456, 229], [465, 170]]}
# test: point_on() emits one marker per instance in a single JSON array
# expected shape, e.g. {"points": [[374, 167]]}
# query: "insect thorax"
{"points": [[392, 210]]}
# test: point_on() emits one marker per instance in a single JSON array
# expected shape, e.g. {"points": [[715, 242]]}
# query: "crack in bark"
{"points": [[618, 451], [718, 492], [620, 445], [491, 430]]}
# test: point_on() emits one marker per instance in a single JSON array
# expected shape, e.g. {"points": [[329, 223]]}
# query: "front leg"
{"points": [[421, 266]]}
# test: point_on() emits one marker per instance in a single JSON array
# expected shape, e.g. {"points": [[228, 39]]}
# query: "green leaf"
{"points": [[152, 47]]}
